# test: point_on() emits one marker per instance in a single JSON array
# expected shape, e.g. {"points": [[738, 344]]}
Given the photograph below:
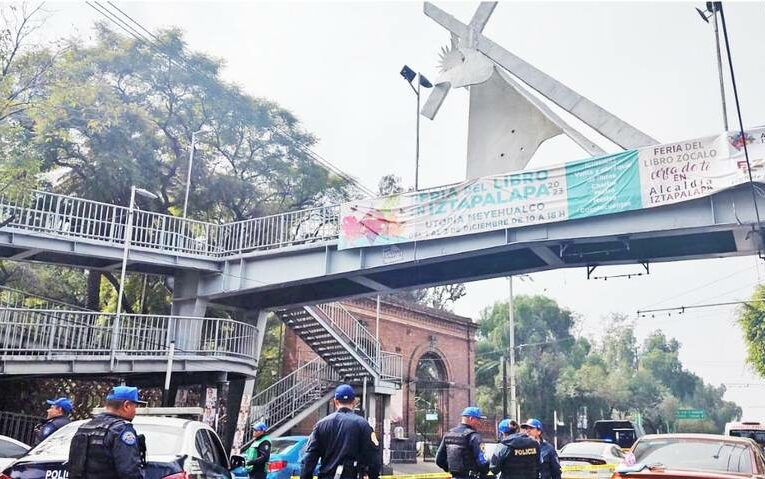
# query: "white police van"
{"points": [[751, 429], [175, 449]]}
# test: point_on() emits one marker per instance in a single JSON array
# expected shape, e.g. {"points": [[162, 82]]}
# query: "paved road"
{"points": [[419, 468]]}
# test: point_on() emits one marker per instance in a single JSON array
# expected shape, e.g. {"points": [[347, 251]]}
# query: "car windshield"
{"points": [[590, 448], [757, 435], [160, 441], [281, 446], [12, 450], [695, 454]]}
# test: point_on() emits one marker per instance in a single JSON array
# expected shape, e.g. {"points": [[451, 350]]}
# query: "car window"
{"points": [[11, 450], [281, 446], [757, 435], [616, 452], [217, 449], [204, 447], [704, 455]]}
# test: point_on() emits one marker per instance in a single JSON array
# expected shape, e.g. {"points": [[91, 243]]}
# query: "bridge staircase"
{"points": [[346, 352]]}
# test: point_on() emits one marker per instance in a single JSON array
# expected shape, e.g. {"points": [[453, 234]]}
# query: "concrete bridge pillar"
{"points": [[186, 302]]}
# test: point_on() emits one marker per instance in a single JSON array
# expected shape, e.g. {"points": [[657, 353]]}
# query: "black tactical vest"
{"points": [[522, 458], [89, 454], [458, 453]]}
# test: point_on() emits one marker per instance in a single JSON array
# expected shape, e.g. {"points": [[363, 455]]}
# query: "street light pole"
{"points": [[719, 69], [417, 150], [191, 164], [123, 272], [511, 321]]}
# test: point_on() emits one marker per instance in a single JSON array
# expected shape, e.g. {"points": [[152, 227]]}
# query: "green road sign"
{"points": [[690, 414]]}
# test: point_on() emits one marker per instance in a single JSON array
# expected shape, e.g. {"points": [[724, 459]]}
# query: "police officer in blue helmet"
{"points": [[344, 442], [517, 455], [57, 417], [107, 446], [460, 451], [549, 465]]}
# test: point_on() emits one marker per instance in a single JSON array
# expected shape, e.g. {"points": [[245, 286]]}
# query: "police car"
{"points": [[175, 449]]}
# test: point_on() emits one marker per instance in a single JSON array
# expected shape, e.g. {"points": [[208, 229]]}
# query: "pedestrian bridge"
{"points": [[292, 258]]}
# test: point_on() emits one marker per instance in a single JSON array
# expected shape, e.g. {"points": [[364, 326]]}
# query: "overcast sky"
{"points": [[335, 65]]}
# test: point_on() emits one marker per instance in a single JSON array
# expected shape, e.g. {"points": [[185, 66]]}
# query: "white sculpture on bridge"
{"points": [[507, 123]]}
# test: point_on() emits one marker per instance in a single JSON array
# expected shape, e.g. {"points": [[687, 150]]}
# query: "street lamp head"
{"points": [[408, 73], [703, 15], [146, 193], [425, 82]]}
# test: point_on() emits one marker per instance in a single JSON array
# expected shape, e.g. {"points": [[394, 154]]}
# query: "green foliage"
{"points": [[752, 320], [615, 377]]}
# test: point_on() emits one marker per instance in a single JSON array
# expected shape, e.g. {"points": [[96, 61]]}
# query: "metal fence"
{"points": [[47, 332], [364, 342], [15, 298], [69, 216], [18, 426]]}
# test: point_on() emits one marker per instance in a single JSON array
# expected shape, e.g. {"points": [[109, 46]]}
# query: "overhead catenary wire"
{"points": [[682, 309]]}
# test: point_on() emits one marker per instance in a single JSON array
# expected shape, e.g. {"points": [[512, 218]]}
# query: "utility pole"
{"points": [[719, 65], [504, 387], [511, 321]]}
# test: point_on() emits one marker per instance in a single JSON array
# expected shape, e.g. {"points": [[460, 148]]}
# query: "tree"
{"points": [[751, 317]]}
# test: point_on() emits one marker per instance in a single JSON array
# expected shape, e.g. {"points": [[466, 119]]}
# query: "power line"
{"points": [[326, 164], [682, 309]]}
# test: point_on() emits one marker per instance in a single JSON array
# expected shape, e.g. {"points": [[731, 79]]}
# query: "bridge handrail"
{"points": [[35, 332], [359, 336], [391, 366], [64, 215], [16, 298]]}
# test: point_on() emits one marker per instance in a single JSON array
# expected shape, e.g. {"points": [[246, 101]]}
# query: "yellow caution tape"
{"points": [[433, 475]]}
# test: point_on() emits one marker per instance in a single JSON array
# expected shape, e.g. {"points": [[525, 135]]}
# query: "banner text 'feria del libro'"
{"points": [[631, 180]]}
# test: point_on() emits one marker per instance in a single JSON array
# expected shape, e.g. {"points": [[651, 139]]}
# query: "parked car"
{"points": [[175, 449], [752, 429], [10, 450], [697, 456], [620, 432], [578, 458], [286, 456]]}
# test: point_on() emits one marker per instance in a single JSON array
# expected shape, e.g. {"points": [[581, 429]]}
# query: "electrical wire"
{"points": [[682, 309]]}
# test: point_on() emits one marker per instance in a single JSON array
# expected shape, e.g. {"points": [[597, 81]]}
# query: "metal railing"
{"points": [[291, 394], [391, 366], [15, 298], [19, 426], [69, 216], [50, 332], [362, 340]]}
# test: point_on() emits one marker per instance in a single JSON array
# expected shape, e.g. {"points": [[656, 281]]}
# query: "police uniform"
{"points": [[549, 467], [516, 457], [258, 455], [460, 451], [48, 427], [107, 446], [342, 439]]}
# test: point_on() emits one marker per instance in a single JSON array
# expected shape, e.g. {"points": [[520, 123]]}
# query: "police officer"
{"points": [[345, 443], [106, 447], [517, 455], [549, 465], [259, 452], [57, 417], [460, 451]]}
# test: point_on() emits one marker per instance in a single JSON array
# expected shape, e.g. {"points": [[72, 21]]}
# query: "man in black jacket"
{"points": [[549, 465], [460, 451], [345, 443], [517, 455]]}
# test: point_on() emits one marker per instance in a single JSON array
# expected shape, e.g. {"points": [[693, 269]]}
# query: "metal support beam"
{"points": [[370, 283]]}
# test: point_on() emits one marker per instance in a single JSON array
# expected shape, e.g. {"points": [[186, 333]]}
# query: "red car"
{"points": [[694, 456]]}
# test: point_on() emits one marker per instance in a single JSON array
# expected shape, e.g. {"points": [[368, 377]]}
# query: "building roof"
{"points": [[411, 306]]}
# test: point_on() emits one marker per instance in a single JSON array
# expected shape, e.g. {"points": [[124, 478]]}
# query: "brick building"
{"points": [[438, 350]]}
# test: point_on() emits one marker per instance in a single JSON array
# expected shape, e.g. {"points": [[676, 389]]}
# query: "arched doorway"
{"points": [[430, 402]]}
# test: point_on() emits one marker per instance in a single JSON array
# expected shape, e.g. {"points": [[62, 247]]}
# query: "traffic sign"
{"points": [[690, 414]]}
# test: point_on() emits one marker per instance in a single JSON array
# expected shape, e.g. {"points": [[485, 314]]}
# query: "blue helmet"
{"points": [[505, 427], [259, 426], [535, 423]]}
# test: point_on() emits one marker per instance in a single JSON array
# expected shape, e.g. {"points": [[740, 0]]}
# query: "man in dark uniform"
{"points": [[106, 447], [259, 452], [517, 455], [460, 451], [58, 417], [549, 465], [345, 443]]}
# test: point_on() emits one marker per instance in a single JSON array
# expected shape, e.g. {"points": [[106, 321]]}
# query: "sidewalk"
{"points": [[419, 468]]}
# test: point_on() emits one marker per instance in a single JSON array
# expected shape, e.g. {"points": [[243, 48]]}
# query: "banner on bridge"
{"points": [[631, 180]]}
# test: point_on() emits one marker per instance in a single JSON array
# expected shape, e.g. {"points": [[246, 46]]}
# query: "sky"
{"points": [[336, 66]]}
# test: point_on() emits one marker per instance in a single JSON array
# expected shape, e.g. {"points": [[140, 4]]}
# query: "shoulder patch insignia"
{"points": [[128, 437], [373, 437]]}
